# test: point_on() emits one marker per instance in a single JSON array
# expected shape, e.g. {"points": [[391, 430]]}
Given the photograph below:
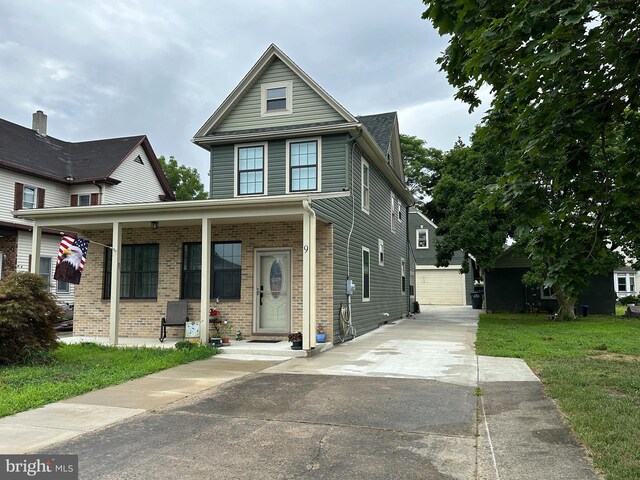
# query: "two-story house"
{"points": [[38, 171], [437, 285], [306, 223]]}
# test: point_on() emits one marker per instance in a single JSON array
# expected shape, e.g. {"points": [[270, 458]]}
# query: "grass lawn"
{"points": [[77, 369], [591, 367]]}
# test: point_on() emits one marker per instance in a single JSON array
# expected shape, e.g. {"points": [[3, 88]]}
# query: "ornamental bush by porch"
{"points": [[27, 314]]}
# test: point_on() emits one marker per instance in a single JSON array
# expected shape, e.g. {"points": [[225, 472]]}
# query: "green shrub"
{"points": [[629, 299], [184, 345], [27, 314]]}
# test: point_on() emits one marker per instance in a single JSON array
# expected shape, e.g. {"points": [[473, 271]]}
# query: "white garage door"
{"points": [[440, 287]]}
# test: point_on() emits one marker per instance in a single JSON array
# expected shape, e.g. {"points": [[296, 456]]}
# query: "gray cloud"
{"points": [[116, 68]]}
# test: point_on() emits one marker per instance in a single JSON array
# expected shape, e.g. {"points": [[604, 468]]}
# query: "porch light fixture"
{"points": [[154, 225]]}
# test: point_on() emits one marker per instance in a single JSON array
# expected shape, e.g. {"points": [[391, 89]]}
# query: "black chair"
{"points": [[176, 316]]}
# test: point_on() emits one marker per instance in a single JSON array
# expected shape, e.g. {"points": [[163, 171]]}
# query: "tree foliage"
{"points": [[417, 158], [27, 314], [565, 79], [184, 181]]}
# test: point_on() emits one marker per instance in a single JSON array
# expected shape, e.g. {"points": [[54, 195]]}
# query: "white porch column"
{"points": [[308, 278], [114, 306], [36, 244], [205, 280]]}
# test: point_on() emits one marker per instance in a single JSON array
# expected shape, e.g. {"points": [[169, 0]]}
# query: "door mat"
{"points": [[264, 341]]}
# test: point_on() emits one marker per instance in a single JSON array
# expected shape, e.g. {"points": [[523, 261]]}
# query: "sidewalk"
{"points": [[41, 427]]}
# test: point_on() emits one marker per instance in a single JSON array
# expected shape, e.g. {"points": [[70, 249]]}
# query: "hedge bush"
{"points": [[629, 299], [27, 315]]}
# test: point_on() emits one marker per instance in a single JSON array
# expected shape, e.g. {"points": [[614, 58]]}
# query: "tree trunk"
{"points": [[567, 305]]}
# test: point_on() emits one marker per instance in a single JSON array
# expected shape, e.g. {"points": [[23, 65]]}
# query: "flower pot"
{"points": [[296, 345], [321, 337], [225, 341], [216, 342]]}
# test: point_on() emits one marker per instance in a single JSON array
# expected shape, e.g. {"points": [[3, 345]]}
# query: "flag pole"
{"points": [[86, 238]]}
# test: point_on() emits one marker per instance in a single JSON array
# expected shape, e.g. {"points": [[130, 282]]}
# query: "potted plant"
{"points": [[296, 340], [321, 337], [226, 330]]}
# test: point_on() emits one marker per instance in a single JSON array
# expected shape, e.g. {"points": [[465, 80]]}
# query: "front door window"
{"points": [[273, 292]]}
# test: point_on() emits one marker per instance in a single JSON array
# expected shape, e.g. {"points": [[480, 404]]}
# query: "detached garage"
{"points": [[442, 286]]}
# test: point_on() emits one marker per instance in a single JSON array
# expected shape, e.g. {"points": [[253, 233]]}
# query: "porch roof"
{"points": [[179, 213]]}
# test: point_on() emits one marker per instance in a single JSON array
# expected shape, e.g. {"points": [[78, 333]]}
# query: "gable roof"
{"points": [[272, 53], [24, 150]]}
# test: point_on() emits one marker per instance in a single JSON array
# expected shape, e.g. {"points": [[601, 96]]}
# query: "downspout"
{"points": [[100, 191]]}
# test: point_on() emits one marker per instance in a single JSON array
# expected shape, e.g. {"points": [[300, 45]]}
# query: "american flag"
{"points": [[81, 243]]}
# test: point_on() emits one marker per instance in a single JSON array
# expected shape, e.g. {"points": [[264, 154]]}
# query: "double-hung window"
{"points": [[29, 197], [45, 270], [394, 212], [251, 169], [138, 271], [304, 165], [626, 282], [422, 238], [226, 270], [365, 192]]}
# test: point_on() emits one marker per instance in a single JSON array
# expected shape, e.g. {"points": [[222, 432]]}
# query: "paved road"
{"points": [[397, 403]]}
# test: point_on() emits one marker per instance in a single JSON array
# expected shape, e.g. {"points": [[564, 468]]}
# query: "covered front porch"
{"points": [[277, 229]]}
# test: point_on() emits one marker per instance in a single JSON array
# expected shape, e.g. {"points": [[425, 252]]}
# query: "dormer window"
{"points": [[276, 98]]}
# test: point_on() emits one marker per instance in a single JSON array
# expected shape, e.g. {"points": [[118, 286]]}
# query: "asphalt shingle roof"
{"points": [[380, 127], [25, 150]]}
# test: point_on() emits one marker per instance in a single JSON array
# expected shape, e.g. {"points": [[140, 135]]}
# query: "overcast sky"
{"points": [[103, 69]]}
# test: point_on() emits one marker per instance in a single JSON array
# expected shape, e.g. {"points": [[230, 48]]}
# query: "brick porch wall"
{"points": [[141, 318]]}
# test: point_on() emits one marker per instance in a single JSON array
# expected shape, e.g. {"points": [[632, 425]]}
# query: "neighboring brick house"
{"points": [[437, 285], [303, 198], [38, 171]]}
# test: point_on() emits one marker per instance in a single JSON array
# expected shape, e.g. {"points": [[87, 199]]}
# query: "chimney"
{"points": [[40, 123]]}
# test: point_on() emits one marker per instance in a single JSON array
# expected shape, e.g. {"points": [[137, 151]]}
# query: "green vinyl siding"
{"points": [[385, 281], [333, 167], [308, 106], [222, 172]]}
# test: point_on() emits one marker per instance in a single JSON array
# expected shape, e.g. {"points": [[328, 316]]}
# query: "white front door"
{"points": [[273, 291]]}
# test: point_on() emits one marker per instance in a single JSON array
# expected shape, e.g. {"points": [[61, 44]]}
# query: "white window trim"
{"points": [[35, 196], [288, 164], [627, 277], [49, 275], [381, 251], [394, 202], [365, 249], [363, 164], [403, 274], [288, 85], [236, 173], [418, 230], [88, 195]]}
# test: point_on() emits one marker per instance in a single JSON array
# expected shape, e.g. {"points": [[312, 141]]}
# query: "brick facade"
{"points": [[9, 250], [141, 318]]}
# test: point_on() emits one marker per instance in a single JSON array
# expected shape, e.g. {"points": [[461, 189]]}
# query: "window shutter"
{"points": [[29, 267], [17, 200], [95, 199], [41, 198], [74, 200]]}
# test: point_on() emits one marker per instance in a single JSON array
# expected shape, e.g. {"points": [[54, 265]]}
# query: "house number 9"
{"points": [[306, 249]]}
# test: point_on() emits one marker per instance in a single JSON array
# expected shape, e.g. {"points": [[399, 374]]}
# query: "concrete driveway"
{"points": [[400, 402]]}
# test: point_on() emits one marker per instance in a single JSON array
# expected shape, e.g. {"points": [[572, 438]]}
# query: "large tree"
{"points": [[184, 181], [565, 79]]}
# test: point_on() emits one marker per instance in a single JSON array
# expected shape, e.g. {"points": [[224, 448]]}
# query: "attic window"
{"points": [[276, 98], [138, 159]]}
